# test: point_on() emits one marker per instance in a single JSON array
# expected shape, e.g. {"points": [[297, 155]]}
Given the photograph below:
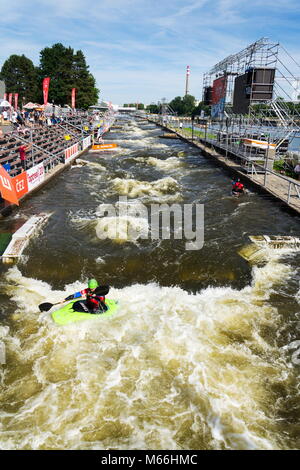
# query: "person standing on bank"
{"points": [[22, 152], [297, 171]]}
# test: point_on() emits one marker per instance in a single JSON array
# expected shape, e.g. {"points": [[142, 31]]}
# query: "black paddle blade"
{"points": [[101, 290], [45, 307]]}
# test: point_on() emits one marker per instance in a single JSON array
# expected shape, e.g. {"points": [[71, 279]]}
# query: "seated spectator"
{"points": [[6, 167]]}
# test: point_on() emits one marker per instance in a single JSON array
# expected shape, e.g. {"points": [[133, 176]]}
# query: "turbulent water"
{"points": [[201, 353]]}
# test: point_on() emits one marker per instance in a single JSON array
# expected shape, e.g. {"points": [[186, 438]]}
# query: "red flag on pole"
{"points": [[16, 100], [6, 187], [10, 98], [73, 97], [46, 83], [5, 96]]}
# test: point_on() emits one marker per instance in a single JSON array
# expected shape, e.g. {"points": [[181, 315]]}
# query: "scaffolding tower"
{"points": [[280, 111]]}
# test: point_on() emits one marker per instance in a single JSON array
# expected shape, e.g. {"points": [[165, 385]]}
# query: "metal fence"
{"points": [[256, 165]]}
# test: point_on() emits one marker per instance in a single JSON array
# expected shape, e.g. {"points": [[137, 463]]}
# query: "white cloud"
{"points": [[141, 46]]}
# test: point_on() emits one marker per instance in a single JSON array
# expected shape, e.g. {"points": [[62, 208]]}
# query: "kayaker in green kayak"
{"points": [[95, 303]]}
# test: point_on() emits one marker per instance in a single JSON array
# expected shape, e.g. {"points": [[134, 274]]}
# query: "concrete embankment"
{"points": [[7, 209]]}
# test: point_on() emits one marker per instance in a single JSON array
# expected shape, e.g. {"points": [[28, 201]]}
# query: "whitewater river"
{"points": [[201, 353]]}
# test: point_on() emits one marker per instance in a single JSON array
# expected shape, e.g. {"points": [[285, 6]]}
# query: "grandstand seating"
{"points": [[46, 139]]}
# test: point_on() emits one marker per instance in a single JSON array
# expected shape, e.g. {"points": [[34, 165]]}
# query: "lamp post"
{"points": [[193, 117]]}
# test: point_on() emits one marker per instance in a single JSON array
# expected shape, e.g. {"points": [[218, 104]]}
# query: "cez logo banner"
{"points": [[6, 187], [20, 184]]}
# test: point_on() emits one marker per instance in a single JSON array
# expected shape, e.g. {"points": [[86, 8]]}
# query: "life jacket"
{"points": [[94, 302], [238, 185]]}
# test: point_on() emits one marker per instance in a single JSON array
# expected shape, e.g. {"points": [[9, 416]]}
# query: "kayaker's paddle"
{"points": [[101, 290], [45, 307]]}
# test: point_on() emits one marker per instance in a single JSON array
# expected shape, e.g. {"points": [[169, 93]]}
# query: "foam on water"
{"points": [[170, 370], [143, 143], [122, 229], [165, 189], [166, 165]]}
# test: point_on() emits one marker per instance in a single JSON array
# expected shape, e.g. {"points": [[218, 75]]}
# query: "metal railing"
{"points": [[255, 171]]}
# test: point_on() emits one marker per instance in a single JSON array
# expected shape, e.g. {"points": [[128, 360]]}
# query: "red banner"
{"points": [[10, 98], [46, 83], [5, 96], [219, 89], [20, 184], [6, 187], [16, 100], [73, 97]]}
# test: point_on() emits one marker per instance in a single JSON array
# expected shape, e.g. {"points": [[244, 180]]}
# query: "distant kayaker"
{"points": [[94, 302], [237, 188]]}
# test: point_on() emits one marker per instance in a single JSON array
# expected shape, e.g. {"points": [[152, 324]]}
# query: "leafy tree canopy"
{"points": [[67, 69], [20, 76], [183, 106]]}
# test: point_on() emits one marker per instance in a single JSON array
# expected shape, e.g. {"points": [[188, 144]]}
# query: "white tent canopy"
{"points": [[31, 105], [5, 104]]}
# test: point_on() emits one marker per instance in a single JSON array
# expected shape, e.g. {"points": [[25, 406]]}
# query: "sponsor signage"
{"points": [[20, 184], [16, 100], [218, 97], [71, 152], [73, 97], [86, 142], [6, 187], [104, 146], [35, 176], [46, 83]]}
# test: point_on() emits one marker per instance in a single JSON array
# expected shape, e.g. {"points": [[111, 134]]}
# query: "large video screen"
{"points": [[218, 97]]}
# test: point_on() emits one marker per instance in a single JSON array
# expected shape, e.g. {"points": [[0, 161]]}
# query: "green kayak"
{"points": [[74, 312]]}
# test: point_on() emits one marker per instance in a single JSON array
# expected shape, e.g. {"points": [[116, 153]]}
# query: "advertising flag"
{"points": [[73, 97], [5, 96], [16, 100], [46, 83], [10, 98], [6, 187]]}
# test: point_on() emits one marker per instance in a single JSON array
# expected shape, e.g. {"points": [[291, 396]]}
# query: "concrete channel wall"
{"points": [[49, 175]]}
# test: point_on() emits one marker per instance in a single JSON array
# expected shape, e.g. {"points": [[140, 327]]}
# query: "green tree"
{"points": [[56, 62], [66, 71], [177, 105], [188, 103], [153, 108], [20, 76], [201, 107], [84, 82]]}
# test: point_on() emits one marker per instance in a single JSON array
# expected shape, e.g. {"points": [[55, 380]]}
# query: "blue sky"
{"points": [[138, 50]]}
